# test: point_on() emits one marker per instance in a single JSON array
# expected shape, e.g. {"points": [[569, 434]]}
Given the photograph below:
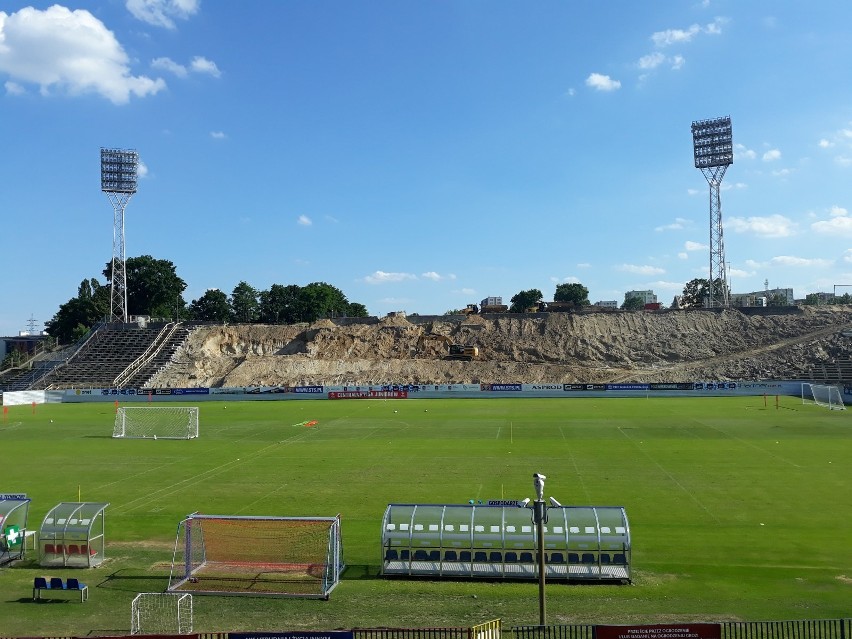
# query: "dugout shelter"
{"points": [[14, 510], [72, 535], [582, 543]]}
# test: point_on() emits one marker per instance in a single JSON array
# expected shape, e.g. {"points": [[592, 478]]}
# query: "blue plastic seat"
{"points": [[556, 558], [450, 555], [391, 554], [56, 583], [526, 557], [74, 584]]}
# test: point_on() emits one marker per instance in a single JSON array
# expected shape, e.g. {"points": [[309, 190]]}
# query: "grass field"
{"points": [[738, 511]]}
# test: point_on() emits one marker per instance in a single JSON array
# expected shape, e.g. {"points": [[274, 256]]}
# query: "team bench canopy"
{"points": [[72, 535], [456, 541], [13, 527]]}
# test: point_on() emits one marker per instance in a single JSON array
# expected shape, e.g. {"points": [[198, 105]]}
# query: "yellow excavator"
{"points": [[457, 352]]}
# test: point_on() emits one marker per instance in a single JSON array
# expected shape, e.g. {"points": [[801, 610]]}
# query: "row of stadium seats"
{"points": [[494, 556], [69, 549]]}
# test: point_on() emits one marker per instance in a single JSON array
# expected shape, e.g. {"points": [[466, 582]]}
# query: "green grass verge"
{"points": [[738, 511]]}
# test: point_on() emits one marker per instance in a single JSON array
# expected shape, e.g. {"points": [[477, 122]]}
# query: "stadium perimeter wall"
{"points": [[409, 391]]}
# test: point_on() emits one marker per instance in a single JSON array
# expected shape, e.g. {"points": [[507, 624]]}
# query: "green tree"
{"points": [[153, 287], [524, 300], [281, 304], [694, 293], [76, 316], [356, 309], [244, 304], [633, 303], [213, 306], [322, 300], [777, 300], [576, 293]]}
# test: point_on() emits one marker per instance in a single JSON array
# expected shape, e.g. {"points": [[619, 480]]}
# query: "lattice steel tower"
{"points": [[714, 152], [118, 180]]}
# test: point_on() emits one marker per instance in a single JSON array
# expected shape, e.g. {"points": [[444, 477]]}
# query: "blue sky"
{"points": [[422, 155]]}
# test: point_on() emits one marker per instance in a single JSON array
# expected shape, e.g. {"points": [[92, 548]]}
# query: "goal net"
{"points": [[165, 422], [823, 395], [272, 556], [158, 613]]}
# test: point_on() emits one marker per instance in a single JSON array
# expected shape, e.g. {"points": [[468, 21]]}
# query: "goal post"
{"points": [[259, 556], [164, 422], [824, 395], [161, 613]]}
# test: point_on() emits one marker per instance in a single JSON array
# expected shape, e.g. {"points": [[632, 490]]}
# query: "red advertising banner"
{"points": [[368, 394], [673, 631]]}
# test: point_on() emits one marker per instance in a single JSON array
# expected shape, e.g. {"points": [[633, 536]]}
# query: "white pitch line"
{"points": [[499, 428], [671, 477]]}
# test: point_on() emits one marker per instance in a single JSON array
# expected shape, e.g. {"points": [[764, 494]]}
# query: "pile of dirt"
{"points": [[667, 346]]}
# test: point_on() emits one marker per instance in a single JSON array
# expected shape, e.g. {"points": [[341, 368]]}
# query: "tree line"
{"points": [[155, 289]]}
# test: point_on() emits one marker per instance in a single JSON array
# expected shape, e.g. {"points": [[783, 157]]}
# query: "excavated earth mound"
{"points": [[595, 347]]}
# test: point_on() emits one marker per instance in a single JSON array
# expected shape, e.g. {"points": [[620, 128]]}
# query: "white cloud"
{"points": [[584, 265], [825, 144], [741, 151], [68, 51], [198, 64], [466, 291], [167, 64], [571, 92], [771, 155], [382, 277], [201, 64], [304, 220], [843, 160], [693, 191], [674, 36], [789, 260], [678, 224], [570, 279], [835, 211], [161, 13], [13, 88], [667, 286], [601, 82], [640, 270], [677, 62], [847, 255], [141, 170], [437, 277], [218, 135], [738, 272], [695, 246], [651, 61], [771, 226], [840, 226], [782, 172]]}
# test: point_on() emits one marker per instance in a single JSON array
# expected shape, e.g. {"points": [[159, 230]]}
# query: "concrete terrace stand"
{"points": [[72, 535], [13, 527], [582, 543]]}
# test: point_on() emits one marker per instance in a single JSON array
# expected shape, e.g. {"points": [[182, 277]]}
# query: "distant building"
{"points": [[763, 298], [606, 304], [647, 297]]}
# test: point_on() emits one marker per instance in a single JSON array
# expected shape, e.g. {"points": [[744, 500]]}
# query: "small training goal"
{"points": [[268, 556], [824, 395], [161, 613], [163, 422]]}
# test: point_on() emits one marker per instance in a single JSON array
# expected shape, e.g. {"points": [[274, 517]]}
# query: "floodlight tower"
{"points": [[118, 180], [714, 152]]}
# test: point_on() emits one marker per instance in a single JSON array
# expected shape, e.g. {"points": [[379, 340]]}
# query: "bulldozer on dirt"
{"points": [[455, 352]]}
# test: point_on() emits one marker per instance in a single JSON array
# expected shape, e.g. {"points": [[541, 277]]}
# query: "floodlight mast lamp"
{"points": [[119, 170], [714, 152]]}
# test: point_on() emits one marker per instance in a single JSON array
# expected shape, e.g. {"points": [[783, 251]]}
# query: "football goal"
{"points": [[271, 556], [159, 613], [164, 422], [823, 395]]}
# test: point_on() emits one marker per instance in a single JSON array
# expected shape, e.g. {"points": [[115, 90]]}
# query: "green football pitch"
{"points": [[739, 510]]}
